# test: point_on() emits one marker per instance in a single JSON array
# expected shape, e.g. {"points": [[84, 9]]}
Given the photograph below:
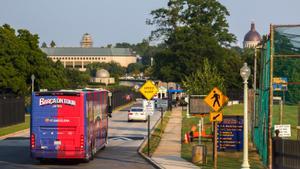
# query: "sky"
{"points": [[112, 21]]}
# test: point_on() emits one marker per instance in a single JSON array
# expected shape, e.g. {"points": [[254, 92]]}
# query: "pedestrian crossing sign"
{"points": [[216, 116], [215, 99]]}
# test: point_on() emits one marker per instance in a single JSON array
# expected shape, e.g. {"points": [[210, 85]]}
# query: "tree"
{"points": [[191, 31], [124, 45], [203, 80], [52, 44], [20, 57], [135, 68], [77, 79], [44, 45]]}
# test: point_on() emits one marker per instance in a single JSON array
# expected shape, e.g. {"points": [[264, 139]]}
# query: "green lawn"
{"points": [[226, 160], [233, 160], [290, 115], [16, 127]]}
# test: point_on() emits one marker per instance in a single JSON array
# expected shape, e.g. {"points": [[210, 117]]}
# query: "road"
{"points": [[121, 152]]}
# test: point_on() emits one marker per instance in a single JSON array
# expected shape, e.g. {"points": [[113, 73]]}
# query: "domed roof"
{"points": [[86, 40], [252, 35], [102, 73]]}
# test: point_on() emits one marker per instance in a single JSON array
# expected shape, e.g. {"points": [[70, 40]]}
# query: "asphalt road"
{"points": [[121, 152]]}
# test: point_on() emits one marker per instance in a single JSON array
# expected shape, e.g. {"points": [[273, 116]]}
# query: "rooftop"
{"points": [[93, 51]]}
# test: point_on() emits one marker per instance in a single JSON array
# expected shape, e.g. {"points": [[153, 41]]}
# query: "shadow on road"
{"points": [[16, 150]]}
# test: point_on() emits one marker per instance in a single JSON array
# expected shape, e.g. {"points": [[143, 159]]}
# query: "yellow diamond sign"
{"points": [[216, 116], [215, 99], [148, 89]]}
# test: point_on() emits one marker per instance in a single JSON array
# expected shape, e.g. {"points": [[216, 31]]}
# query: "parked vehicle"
{"points": [[137, 113], [69, 124]]}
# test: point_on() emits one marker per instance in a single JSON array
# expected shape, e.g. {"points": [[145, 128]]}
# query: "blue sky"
{"points": [[111, 21]]}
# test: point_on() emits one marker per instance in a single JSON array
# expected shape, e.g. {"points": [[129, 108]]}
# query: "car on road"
{"points": [[137, 114]]}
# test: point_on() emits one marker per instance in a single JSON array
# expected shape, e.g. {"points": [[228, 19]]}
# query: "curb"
{"points": [[13, 134], [149, 159]]}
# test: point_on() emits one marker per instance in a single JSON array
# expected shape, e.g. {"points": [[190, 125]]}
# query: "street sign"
{"points": [[162, 103], [215, 99], [216, 116], [280, 84], [148, 89], [230, 133], [148, 106], [197, 105], [284, 130]]}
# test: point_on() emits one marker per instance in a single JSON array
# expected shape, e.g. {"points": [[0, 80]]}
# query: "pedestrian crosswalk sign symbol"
{"points": [[216, 116], [215, 99]]}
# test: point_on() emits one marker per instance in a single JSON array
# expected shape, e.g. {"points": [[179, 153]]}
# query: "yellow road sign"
{"points": [[215, 99], [148, 89], [216, 116]]}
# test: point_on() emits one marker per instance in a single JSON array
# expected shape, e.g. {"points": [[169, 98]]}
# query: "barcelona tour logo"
{"points": [[51, 101]]}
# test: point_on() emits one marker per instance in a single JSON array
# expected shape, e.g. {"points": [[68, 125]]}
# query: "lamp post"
{"points": [[245, 73], [32, 82]]}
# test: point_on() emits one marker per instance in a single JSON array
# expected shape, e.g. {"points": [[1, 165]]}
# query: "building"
{"points": [[102, 76], [252, 38], [79, 57]]}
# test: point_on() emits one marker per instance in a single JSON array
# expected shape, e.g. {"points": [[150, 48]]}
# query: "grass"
{"points": [[290, 115], [233, 160], [157, 134], [226, 160], [16, 127]]}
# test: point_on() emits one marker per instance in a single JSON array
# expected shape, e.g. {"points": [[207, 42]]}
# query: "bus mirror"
{"points": [[109, 111]]}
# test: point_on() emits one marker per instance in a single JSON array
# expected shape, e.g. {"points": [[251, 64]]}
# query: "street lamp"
{"points": [[245, 73]]}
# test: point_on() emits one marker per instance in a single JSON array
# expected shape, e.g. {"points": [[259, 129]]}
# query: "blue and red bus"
{"points": [[69, 124]]}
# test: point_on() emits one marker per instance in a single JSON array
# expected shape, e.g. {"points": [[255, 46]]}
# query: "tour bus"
{"points": [[69, 124]]}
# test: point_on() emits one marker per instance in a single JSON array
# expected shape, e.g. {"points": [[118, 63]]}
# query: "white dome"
{"points": [[102, 73]]}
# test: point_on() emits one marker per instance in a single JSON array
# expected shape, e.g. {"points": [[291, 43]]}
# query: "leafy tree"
{"points": [[124, 45], [144, 49], [52, 44], [20, 57], [203, 80], [76, 78], [135, 68], [44, 45], [191, 31]]}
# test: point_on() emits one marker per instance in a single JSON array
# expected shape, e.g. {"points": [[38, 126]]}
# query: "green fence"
{"points": [[262, 105], [280, 64]]}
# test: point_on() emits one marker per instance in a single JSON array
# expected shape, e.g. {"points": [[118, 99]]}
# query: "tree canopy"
{"points": [[192, 31], [204, 80], [20, 57]]}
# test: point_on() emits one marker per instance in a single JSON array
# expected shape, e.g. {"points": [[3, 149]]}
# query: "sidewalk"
{"points": [[168, 153]]}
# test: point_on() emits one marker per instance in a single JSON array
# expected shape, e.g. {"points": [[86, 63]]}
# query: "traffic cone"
{"points": [[186, 138]]}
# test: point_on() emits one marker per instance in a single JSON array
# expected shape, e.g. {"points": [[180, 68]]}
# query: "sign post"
{"points": [[148, 90], [216, 100], [215, 156]]}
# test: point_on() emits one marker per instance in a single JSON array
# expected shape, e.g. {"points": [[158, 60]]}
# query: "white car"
{"points": [[137, 113]]}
